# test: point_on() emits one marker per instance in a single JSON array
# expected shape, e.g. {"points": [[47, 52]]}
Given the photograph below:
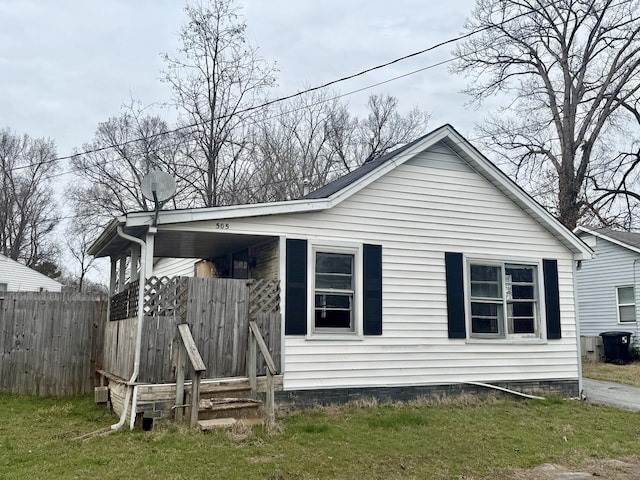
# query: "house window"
{"points": [[504, 300], [3, 287], [626, 304], [334, 291]]}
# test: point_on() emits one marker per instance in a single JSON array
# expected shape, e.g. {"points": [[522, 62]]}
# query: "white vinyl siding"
{"points": [[20, 278], [597, 281], [174, 267], [432, 204]]}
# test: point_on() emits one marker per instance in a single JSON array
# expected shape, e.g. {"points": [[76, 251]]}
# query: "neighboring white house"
{"points": [[427, 266], [607, 293], [15, 277]]}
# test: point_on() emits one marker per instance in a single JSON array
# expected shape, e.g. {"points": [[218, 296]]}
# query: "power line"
{"points": [[298, 94], [279, 114], [280, 99]]}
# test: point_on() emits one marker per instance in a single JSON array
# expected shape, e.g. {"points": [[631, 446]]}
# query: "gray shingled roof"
{"points": [[355, 175], [628, 238]]}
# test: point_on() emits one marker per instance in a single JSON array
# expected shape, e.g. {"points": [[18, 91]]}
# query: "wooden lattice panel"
{"points": [[124, 304], [264, 297], [162, 296], [182, 297]]}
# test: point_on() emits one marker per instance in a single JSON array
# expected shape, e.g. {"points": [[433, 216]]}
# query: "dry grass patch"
{"points": [[609, 372]]}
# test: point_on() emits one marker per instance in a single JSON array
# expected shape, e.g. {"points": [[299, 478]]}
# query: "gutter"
{"points": [[136, 361]]}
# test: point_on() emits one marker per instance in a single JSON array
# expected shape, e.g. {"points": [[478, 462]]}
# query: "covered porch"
{"points": [[192, 336]]}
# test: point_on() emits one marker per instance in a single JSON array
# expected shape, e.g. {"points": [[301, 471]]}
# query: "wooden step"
{"points": [[227, 422], [228, 407], [236, 391]]}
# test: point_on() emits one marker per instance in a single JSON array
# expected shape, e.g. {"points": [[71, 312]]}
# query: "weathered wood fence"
{"points": [[50, 343], [218, 313]]}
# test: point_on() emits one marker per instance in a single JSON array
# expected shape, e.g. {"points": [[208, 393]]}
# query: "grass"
{"points": [[627, 374], [467, 439]]}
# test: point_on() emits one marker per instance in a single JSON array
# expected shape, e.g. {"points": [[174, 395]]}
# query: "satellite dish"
{"points": [[158, 186]]}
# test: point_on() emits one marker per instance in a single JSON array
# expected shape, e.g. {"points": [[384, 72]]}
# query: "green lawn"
{"points": [[468, 438]]}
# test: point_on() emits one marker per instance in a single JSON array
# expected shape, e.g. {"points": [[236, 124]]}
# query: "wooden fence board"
{"points": [[50, 342]]}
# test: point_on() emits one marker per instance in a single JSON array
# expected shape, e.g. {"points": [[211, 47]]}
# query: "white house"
{"points": [[607, 293], [425, 267], [15, 277]]}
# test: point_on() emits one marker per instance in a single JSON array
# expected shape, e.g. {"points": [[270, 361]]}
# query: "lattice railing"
{"points": [[264, 297], [124, 304], [163, 296]]}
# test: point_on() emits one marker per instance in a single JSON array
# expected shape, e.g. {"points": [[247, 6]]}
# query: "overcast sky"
{"points": [[66, 65], [69, 64]]}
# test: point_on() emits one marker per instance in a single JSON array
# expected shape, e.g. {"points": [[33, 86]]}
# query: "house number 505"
{"points": [[222, 226]]}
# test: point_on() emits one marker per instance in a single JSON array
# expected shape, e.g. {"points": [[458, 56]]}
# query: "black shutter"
{"points": [[372, 276], [455, 294], [552, 298], [295, 312]]}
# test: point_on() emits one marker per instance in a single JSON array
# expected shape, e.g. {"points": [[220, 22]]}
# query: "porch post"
{"points": [[112, 276], [148, 253], [135, 259], [123, 268], [282, 275]]}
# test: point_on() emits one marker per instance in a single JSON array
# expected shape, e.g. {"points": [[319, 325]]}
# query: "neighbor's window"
{"points": [[334, 291], [503, 300], [3, 287], [626, 304]]}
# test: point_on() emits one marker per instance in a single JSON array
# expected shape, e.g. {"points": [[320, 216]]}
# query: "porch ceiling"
{"points": [[175, 243], [188, 244]]}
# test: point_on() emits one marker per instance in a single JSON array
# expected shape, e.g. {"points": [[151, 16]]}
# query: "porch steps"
{"points": [[225, 403]]}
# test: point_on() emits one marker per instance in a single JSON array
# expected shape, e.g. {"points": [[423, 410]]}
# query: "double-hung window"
{"points": [[503, 300], [626, 304], [334, 290]]}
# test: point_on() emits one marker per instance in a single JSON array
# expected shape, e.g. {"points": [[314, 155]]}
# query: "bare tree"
{"points": [[109, 173], [312, 139], [384, 128], [307, 138], [216, 76], [568, 66], [78, 238], [28, 212], [616, 187]]}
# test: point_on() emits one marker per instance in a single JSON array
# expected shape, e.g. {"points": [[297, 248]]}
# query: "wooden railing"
{"points": [[256, 340], [188, 347]]}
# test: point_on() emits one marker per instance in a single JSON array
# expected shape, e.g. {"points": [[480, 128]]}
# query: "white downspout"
{"points": [[136, 361], [574, 272]]}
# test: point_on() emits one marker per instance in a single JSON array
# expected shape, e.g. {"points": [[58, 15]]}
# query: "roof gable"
{"points": [[344, 187], [628, 240], [353, 182]]}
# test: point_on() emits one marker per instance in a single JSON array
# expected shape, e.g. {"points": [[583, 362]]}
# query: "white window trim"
{"points": [[618, 305], [541, 336], [354, 249]]}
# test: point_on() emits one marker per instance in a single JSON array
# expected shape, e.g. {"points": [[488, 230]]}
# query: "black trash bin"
{"points": [[616, 347]]}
